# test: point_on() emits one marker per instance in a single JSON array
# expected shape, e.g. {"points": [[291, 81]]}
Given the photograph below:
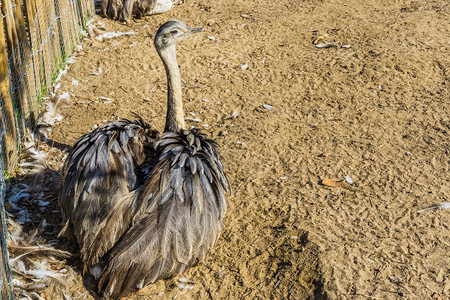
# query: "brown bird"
{"points": [[133, 229]]}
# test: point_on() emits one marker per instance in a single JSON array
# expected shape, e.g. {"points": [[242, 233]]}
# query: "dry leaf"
{"points": [[326, 154], [436, 296], [331, 182]]}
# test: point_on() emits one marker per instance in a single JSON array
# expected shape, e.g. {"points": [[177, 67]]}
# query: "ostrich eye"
{"points": [[174, 32]]}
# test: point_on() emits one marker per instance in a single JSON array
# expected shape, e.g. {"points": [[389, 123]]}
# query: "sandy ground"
{"points": [[374, 107]]}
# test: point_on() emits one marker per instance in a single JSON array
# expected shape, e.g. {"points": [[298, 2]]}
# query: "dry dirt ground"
{"points": [[373, 107]]}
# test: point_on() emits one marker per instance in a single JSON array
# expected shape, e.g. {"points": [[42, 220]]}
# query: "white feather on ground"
{"points": [[53, 107], [36, 264], [93, 30], [439, 206], [113, 34], [51, 114]]}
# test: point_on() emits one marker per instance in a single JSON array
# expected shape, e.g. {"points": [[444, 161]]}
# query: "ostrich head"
{"points": [[172, 32], [167, 36]]}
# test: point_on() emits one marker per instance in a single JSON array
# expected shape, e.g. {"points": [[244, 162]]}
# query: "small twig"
{"points": [[210, 294], [389, 291], [367, 296]]}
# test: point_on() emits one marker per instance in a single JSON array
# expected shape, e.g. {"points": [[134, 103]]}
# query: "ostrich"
{"points": [[134, 229], [125, 9]]}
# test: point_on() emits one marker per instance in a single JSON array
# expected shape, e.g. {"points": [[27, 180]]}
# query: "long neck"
{"points": [[175, 114]]}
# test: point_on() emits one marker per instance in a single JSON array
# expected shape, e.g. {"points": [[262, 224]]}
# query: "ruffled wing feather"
{"points": [[99, 171], [177, 216]]}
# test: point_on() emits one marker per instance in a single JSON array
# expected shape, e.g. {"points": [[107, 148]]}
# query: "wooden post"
{"points": [[72, 13], [63, 29], [51, 37], [44, 26], [10, 153], [34, 11], [25, 83], [85, 10], [56, 44], [36, 57]]}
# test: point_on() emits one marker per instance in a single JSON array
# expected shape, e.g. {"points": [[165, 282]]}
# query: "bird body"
{"points": [[100, 170], [125, 9], [171, 222], [132, 228]]}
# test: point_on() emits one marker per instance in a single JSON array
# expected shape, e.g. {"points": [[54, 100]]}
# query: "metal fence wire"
{"points": [[36, 37], [6, 289]]}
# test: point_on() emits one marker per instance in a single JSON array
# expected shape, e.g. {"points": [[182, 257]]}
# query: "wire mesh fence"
{"points": [[5, 271], [36, 37]]}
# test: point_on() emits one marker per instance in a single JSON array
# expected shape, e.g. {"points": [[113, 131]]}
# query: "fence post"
{"points": [[19, 59], [9, 142], [6, 288], [8, 157]]}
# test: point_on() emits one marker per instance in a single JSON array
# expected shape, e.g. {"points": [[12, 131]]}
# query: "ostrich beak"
{"points": [[190, 31], [194, 30]]}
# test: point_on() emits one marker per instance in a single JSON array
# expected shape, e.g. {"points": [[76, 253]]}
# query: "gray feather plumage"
{"points": [[95, 177], [142, 231], [175, 225]]}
